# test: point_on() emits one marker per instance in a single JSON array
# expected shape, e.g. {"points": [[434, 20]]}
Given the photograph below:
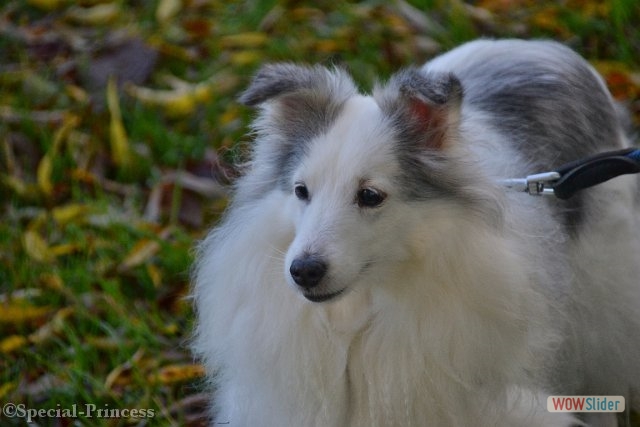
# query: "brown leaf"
{"points": [[121, 374], [52, 327]]}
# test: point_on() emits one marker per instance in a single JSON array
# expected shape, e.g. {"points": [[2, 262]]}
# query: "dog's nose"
{"points": [[308, 271]]}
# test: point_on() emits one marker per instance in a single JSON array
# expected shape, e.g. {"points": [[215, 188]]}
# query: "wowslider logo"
{"points": [[585, 404]]}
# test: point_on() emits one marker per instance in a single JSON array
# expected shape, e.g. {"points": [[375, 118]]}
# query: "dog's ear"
{"points": [[424, 106], [275, 81], [297, 101]]}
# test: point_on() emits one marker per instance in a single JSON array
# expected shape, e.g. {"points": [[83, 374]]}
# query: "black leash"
{"points": [[572, 177]]}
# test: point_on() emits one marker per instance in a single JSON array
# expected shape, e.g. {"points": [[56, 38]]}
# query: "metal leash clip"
{"points": [[540, 184], [575, 176]]}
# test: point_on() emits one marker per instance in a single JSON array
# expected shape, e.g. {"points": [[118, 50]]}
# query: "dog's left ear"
{"points": [[423, 106]]}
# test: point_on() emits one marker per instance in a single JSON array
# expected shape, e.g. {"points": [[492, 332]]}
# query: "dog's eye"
{"points": [[370, 198], [301, 191]]}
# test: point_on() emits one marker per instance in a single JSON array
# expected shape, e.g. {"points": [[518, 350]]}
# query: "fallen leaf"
{"points": [[64, 249], [69, 213], [106, 343], [623, 83], [120, 375], [118, 136], [141, 252], [45, 167], [245, 40], [16, 314], [52, 327], [12, 343], [5, 389], [155, 274], [48, 5], [36, 246], [99, 14], [167, 10], [246, 57], [172, 374]]}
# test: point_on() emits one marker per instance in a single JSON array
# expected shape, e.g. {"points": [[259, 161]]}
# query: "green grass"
{"points": [[92, 290]]}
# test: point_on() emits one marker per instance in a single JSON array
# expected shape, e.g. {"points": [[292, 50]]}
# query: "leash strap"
{"points": [[572, 177]]}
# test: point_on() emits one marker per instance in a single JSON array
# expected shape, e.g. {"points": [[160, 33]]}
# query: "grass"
{"points": [[97, 232]]}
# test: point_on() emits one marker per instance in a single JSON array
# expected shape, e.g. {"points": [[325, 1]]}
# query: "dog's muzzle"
{"points": [[308, 272]]}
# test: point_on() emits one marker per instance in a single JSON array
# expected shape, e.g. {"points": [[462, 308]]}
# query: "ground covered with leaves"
{"points": [[119, 125]]}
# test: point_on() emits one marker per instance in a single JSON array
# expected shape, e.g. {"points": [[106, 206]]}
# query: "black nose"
{"points": [[308, 271]]}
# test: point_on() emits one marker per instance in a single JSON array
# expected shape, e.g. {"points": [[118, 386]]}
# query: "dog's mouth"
{"points": [[322, 297]]}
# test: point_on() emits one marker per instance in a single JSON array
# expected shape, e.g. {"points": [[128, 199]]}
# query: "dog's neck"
{"points": [[347, 316]]}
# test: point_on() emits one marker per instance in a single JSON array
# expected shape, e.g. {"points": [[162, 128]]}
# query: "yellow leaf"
{"points": [[171, 329], [12, 343], [139, 254], [155, 274], [246, 57], [22, 313], [36, 247], [118, 136], [94, 15], [64, 249], [177, 373], [245, 40], [68, 213], [202, 92], [16, 184], [5, 389], [52, 281], [47, 5], [121, 374], [104, 343], [77, 93], [45, 167], [175, 102], [167, 9]]}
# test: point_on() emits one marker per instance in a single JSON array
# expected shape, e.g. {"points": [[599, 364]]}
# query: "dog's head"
{"points": [[366, 177]]}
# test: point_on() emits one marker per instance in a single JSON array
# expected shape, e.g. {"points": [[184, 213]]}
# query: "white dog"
{"points": [[373, 270]]}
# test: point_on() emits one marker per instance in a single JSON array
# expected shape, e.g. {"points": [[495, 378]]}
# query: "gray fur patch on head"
{"points": [[296, 104]]}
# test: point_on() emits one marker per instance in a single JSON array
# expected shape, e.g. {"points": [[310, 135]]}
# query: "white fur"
{"points": [[446, 318]]}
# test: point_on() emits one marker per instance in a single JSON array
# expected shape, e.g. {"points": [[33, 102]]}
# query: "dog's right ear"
{"points": [[287, 80], [297, 102]]}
